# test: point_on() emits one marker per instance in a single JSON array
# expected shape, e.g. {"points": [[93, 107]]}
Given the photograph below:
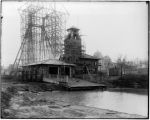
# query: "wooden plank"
{"points": [[76, 84]]}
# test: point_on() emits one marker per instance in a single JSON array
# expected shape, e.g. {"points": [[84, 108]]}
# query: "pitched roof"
{"points": [[86, 56], [51, 62]]}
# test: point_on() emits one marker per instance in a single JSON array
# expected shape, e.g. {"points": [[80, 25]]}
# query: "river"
{"points": [[118, 101]]}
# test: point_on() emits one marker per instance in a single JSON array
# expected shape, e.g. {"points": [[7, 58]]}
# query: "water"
{"points": [[118, 101]]}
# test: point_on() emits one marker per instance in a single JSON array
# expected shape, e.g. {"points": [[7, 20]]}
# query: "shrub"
{"points": [[12, 91], [131, 81], [5, 100]]}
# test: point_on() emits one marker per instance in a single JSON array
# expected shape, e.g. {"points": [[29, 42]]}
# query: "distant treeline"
{"points": [[131, 81]]}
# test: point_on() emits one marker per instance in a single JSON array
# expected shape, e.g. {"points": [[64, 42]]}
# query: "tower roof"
{"points": [[73, 29]]}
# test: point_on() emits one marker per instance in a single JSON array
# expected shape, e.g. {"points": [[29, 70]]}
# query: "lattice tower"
{"points": [[42, 34]]}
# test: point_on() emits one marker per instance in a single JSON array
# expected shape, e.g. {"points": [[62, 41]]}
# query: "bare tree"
{"points": [[98, 54], [107, 63], [122, 64]]}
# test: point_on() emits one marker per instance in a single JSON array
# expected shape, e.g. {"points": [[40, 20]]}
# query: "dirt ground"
{"points": [[28, 102]]}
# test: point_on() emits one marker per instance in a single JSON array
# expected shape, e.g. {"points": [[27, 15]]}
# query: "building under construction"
{"points": [[45, 51], [74, 53]]}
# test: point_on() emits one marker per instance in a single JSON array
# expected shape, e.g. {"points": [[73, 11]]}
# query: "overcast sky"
{"points": [[113, 28]]}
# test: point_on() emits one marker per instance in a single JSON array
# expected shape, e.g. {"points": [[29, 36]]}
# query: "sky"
{"points": [[113, 28]]}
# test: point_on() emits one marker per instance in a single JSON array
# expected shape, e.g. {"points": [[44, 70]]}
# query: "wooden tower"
{"points": [[72, 46]]}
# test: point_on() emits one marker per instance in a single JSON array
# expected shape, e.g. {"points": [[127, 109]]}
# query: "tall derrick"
{"points": [[42, 34]]}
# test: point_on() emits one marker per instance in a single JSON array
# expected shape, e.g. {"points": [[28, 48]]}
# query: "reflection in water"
{"points": [[118, 101]]}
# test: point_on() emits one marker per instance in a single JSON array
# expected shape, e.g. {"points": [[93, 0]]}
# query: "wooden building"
{"points": [[47, 69]]}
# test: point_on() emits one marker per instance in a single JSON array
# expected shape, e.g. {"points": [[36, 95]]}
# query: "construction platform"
{"points": [[75, 84]]}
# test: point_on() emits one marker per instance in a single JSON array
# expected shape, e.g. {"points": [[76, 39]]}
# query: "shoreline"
{"points": [[29, 102], [29, 105]]}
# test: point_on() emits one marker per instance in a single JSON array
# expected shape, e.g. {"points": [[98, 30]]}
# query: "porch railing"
{"points": [[58, 78]]}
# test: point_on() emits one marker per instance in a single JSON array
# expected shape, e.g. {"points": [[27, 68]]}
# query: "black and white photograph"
{"points": [[66, 60]]}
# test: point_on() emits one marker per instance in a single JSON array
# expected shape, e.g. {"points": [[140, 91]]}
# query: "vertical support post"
{"points": [[67, 79], [70, 72], [58, 70], [58, 73]]}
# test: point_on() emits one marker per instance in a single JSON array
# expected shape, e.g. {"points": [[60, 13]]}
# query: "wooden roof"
{"points": [[51, 62]]}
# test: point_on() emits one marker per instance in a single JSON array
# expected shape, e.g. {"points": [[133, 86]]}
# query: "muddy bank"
{"points": [[28, 101], [29, 86]]}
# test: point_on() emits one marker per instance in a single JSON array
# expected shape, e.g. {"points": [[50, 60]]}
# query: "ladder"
{"points": [[89, 73]]}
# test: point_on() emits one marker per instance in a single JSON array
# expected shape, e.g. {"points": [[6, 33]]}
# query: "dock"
{"points": [[75, 84]]}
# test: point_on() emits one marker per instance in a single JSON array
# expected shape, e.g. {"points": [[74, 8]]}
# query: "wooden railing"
{"points": [[58, 78]]}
